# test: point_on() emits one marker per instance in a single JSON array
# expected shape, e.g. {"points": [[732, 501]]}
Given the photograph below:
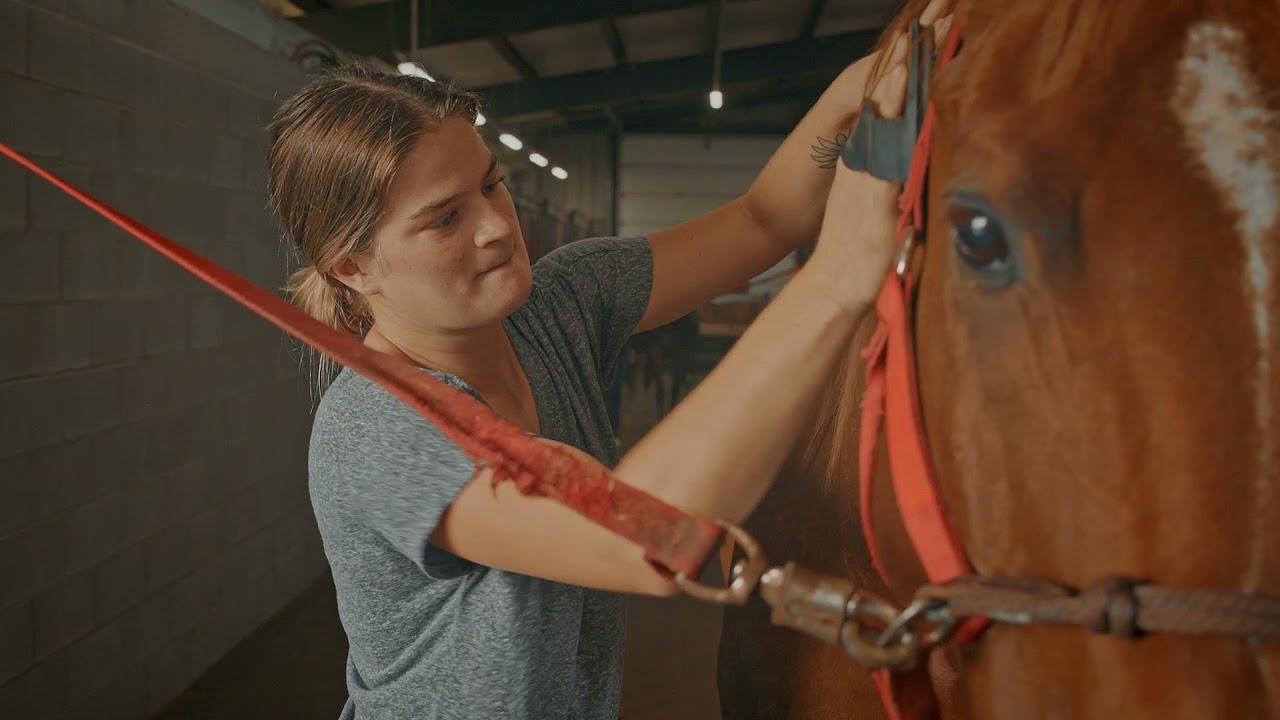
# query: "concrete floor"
{"points": [[293, 667]]}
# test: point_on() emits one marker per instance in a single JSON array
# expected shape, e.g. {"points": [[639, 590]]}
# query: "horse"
{"points": [[1097, 381]]}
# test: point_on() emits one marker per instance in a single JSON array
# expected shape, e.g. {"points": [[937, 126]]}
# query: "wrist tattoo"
{"points": [[826, 152]]}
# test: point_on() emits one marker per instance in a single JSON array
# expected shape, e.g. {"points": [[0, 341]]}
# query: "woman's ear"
{"points": [[351, 273]]}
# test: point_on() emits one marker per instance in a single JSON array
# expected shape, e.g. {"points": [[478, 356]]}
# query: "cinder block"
{"points": [[119, 457], [168, 555], [205, 321], [162, 84], [227, 161], [205, 215], [155, 145], [255, 167], [31, 414], [37, 693], [244, 518], [91, 264], [62, 336], [146, 509], [243, 326], [19, 493], [185, 36], [196, 487], [65, 475], [16, 639], [17, 327], [39, 484], [31, 560], [95, 660], [204, 105], [13, 37], [126, 190], [36, 252], [169, 670], [120, 70], [14, 184], [94, 531], [92, 131], [243, 115], [119, 583], [118, 331], [265, 265], [250, 559], [209, 533], [61, 52], [63, 614], [52, 209], [32, 116], [165, 326], [92, 403], [141, 392], [123, 698]]}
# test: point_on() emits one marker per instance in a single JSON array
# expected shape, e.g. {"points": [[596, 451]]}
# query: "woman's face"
{"points": [[448, 251]]}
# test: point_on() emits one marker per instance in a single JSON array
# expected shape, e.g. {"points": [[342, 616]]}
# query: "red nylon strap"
{"points": [[671, 538], [892, 397]]}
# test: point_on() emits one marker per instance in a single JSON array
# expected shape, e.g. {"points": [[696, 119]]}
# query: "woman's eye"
{"points": [[978, 238], [488, 189], [445, 221]]}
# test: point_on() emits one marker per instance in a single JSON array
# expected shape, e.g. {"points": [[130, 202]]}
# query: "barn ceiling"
{"points": [[633, 65]]}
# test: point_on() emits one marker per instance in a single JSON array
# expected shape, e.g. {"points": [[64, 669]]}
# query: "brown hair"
{"points": [[333, 149]]}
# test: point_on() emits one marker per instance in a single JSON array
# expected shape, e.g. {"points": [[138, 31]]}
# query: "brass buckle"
{"points": [[743, 577], [906, 253]]}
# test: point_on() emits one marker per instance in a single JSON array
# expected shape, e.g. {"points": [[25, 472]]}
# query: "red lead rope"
{"points": [[672, 539]]}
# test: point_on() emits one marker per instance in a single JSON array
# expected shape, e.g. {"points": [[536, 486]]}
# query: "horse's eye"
{"points": [[978, 238], [980, 241]]}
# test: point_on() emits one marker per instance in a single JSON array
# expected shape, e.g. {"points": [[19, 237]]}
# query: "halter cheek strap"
{"points": [[898, 150]]}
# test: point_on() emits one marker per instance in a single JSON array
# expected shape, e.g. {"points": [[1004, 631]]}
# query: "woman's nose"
{"points": [[495, 225]]}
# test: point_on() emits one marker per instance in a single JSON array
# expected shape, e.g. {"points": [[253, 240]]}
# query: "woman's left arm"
{"points": [[721, 250]]}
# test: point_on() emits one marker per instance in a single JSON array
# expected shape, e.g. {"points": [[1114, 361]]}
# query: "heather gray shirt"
{"points": [[432, 635]]}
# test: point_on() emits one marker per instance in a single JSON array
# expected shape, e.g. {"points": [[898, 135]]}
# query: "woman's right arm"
{"points": [[717, 452]]}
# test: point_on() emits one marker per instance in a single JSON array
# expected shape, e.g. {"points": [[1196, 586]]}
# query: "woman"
{"points": [[462, 600]]}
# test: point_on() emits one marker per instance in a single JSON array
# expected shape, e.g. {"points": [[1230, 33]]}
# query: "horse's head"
{"points": [[1098, 335]]}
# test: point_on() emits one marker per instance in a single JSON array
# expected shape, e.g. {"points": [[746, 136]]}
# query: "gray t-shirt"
{"points": [[435, 636]]}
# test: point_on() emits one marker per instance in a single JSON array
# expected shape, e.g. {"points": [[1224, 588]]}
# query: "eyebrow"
{"points": [[434, 206]]}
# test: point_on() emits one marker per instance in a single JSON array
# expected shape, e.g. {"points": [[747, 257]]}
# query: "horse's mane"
{"points": [[1062, 39]]}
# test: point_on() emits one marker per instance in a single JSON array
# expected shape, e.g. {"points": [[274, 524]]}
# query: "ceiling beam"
{"points": [[614, 38], [815, 15], [382, 29], [513, 57], [824, 57]]}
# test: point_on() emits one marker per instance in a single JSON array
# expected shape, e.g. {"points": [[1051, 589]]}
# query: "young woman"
{"points": [[461, 600]]}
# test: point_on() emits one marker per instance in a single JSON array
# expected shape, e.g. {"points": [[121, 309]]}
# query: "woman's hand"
{"points": [[855, 245]]}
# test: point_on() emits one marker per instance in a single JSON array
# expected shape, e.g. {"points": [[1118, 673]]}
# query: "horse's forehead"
{"points": [[1228, 129]]}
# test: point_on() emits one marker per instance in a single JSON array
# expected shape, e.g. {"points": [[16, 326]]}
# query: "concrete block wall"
{"points": [[153, 505]]}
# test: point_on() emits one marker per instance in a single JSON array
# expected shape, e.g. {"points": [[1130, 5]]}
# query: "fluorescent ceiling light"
{"points": [[559, 172], [480, 119], [717, 99], [510, 141], [537, 159]]}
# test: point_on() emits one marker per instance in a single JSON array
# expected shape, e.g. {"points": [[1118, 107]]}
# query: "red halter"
{"points": [[892, 396]]}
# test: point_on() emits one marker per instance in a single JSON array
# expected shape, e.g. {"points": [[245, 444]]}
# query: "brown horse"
{"points": [[1100, 390]]}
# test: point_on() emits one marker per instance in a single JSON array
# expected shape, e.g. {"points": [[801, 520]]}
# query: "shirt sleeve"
{"points": [[394, 472], [607, 282]]}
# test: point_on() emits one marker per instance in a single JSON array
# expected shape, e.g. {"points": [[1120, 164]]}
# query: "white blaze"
{"points": [[1224, 116]]}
